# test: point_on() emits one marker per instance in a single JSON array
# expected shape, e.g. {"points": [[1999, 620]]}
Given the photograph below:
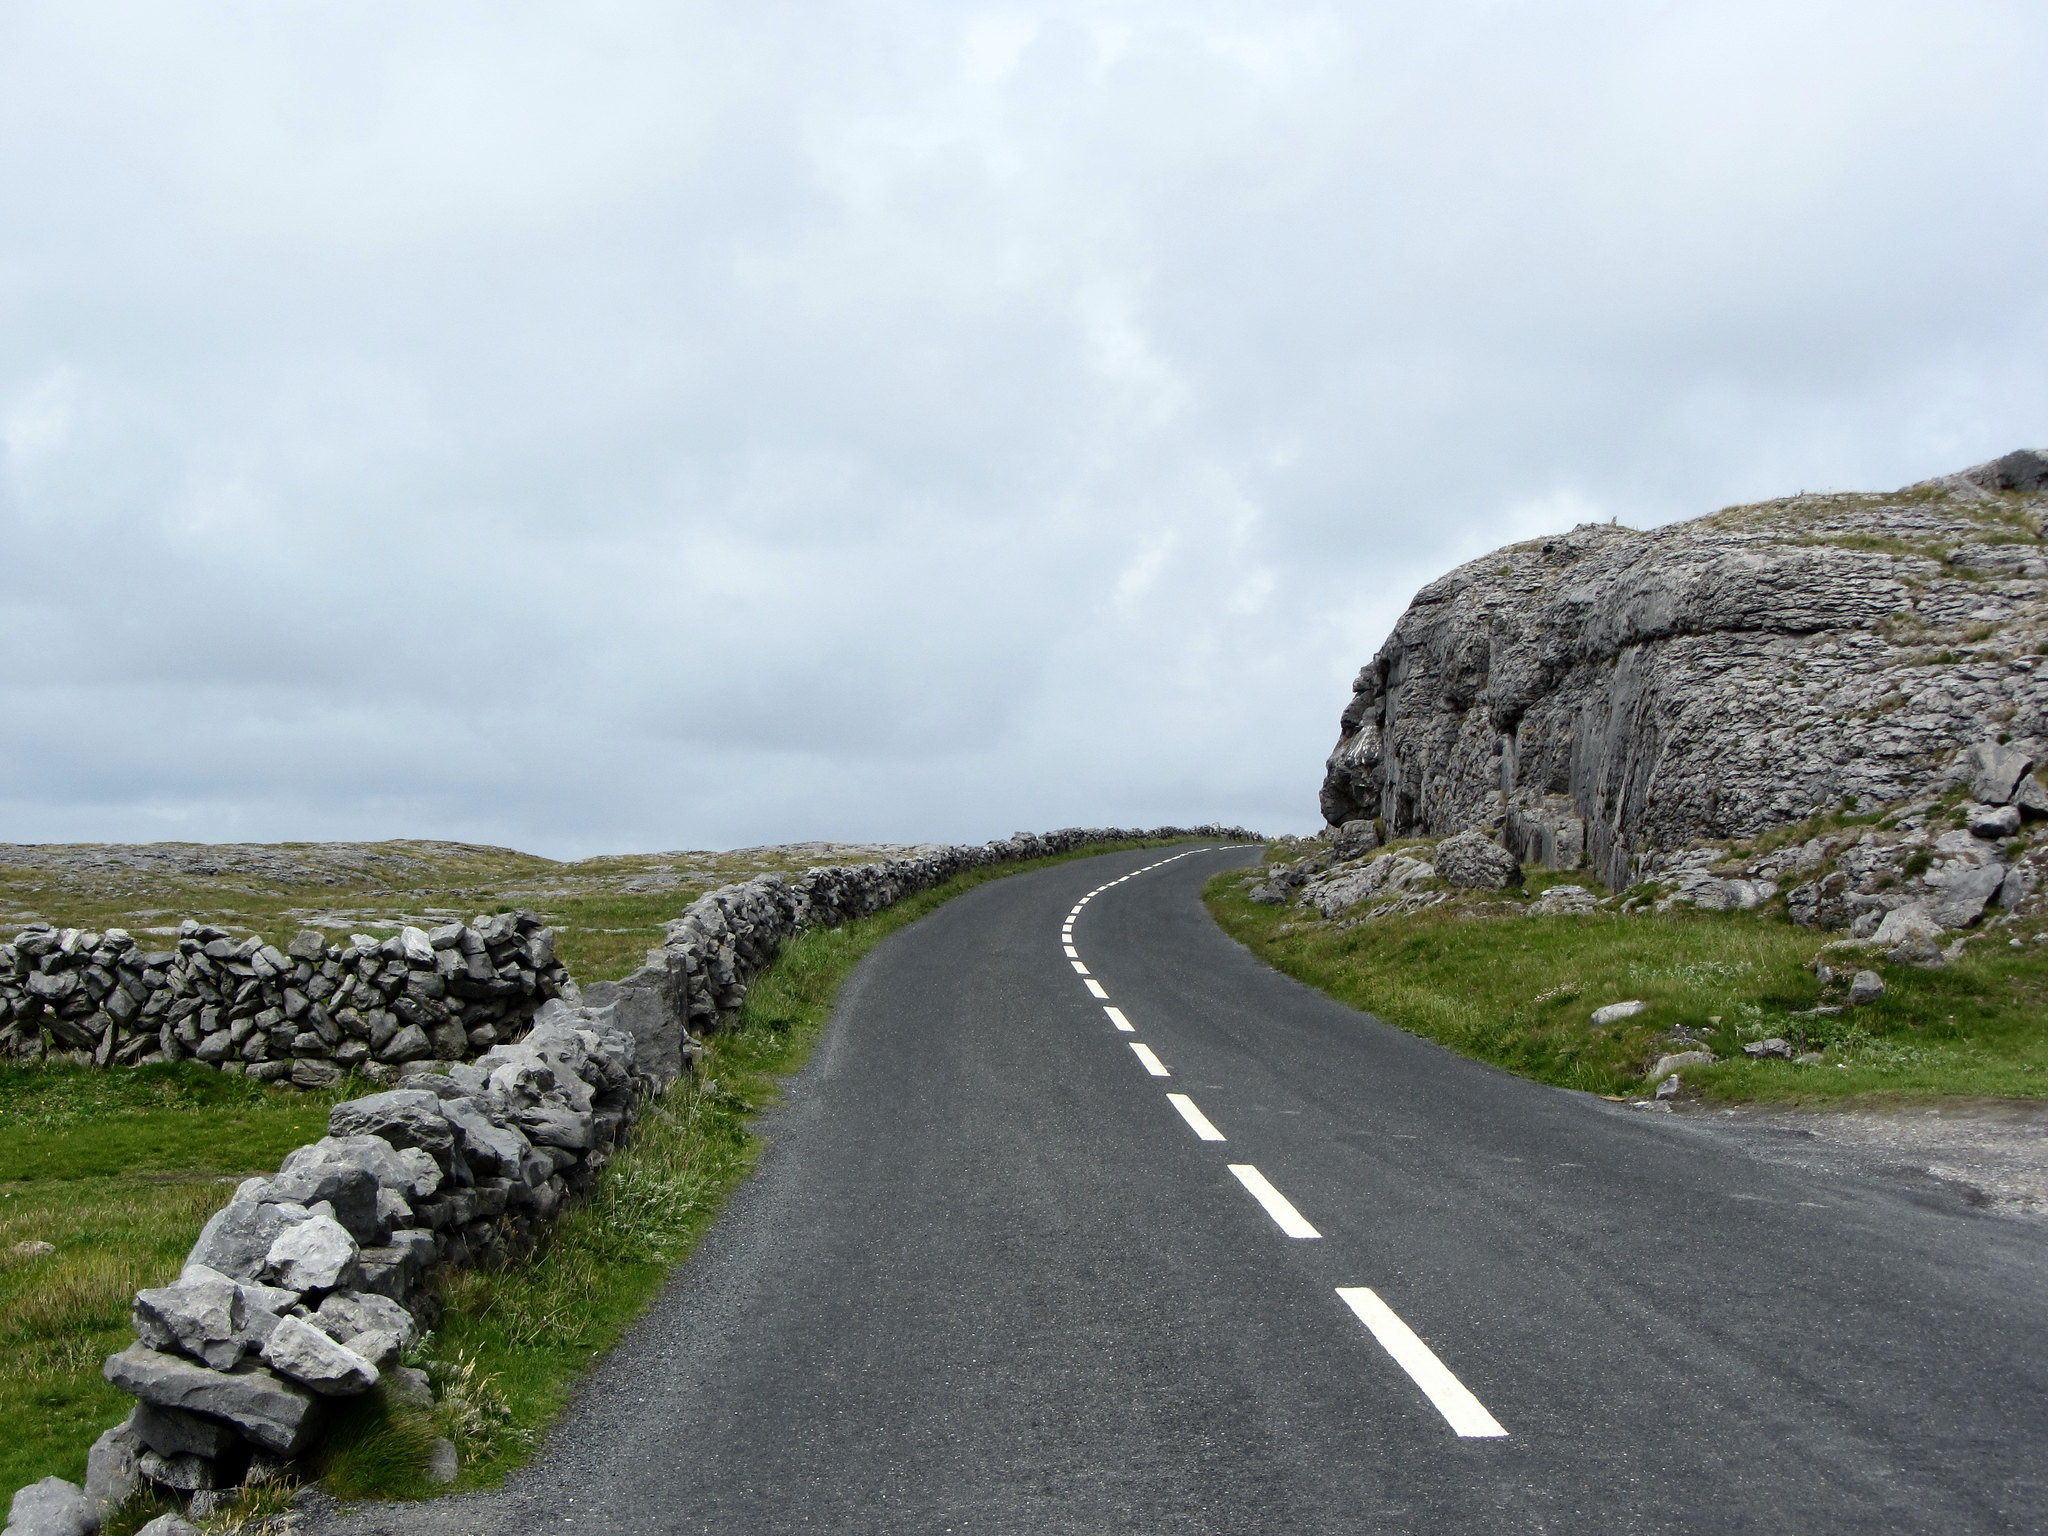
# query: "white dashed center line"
{"points": [[1116, 1017], [1072, 953], [1095, 990], [1464, 1412], [1079, 968], [1277, 1205], [1197, 1121], [1152, 1063]]}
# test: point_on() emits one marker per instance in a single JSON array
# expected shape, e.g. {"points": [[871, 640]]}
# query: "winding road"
{"points": [[1083, 1220]]}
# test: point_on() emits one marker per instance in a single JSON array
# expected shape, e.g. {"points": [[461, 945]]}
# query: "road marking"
{"points": [[1276, 1204], [1116, 1017], [1451, 1397], [1079, 968], [1095, 989], [1152, 1063], [1197, 1121], [1072, 953]]}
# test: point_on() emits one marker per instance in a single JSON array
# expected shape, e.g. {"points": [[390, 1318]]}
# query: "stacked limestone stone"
{"points": [[307, 1013], [307, 1287]]}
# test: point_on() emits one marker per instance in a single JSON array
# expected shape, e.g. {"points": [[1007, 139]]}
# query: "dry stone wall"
{"points": [[308, 1013], [307, 1287], [1608, 694]]}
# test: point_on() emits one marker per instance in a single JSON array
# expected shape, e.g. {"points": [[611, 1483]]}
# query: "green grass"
{"points": [[118, 1170], [1517, 991]]}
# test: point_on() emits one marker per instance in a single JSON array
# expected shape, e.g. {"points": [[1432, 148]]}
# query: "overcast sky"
{"points": [[624, 426]]}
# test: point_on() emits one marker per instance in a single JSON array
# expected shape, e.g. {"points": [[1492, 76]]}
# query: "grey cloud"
{"points": [[663, 426]]}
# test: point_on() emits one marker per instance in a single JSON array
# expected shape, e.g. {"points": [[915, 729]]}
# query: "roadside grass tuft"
{"points": [[1518, 992]]}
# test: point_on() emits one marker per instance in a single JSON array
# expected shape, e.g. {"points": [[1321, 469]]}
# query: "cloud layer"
{"points": [[639, 425]]}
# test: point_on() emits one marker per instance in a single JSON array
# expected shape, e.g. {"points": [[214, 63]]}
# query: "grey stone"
{"points": [[1472, 861], [488, 1147], [442, 1463], [1995, 772], [1772, 1049], [51, 1507], [304, 1353], [1614, 1013], [1668, 1089], [1917, 950], [269, 1411], [237, 1238], [111, 1470], [1865, 987], [307, 1073], [1344, 888], [409, 1384], [1904, 922], [1566, 901], [1354, 840], [168, 1525], [1961, 893], [316, 1255], [404, 1117], [1668, 1064], [308, 944], [1994, 822], [197, 1316], [350, 1189], [174, 1432], [408, 1044], [346, 1315], [185, 1474]]}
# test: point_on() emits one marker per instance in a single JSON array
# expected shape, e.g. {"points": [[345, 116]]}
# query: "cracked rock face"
{"points": [[1608, 693]]}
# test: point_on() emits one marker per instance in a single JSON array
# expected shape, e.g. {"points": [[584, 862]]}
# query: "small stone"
{"points": [[186, 1474], [1614, 1013], [33, 1248], [409, 1044], [199, 1317], [299, 1350], [409, 1384], [51, 1507], [238, 1238], [1666, 1065], [1472, 861], [1772, 1049], [316, 1255], [1808, 1059], [310, 1073], [1920, 951], [174, 1432], [442, 1463], [111, 1466], [1565, 901], [169, 1525], [1668, 1089], [1865, 987], [1994, 822]]}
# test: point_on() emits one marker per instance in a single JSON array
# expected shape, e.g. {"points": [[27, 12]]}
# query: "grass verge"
{"points": [[1517, 991], [116, 1171], [512, 1342]]}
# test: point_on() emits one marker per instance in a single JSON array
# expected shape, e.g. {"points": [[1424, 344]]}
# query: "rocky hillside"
{"points": [[1609, 696]]}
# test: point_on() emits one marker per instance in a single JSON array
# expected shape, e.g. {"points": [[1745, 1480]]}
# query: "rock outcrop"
{"points": [[1605, 694]]}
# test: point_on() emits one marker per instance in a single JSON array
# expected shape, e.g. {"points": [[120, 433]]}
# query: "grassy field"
{"points": [[1517, 991], [608, 911], [119, 1169]]}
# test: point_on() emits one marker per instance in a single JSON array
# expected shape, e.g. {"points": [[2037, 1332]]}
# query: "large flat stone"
{"points": [[278, 1415]]}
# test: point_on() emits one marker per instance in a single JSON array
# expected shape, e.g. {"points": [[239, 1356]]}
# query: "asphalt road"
{"points": [[992, 1278]]}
